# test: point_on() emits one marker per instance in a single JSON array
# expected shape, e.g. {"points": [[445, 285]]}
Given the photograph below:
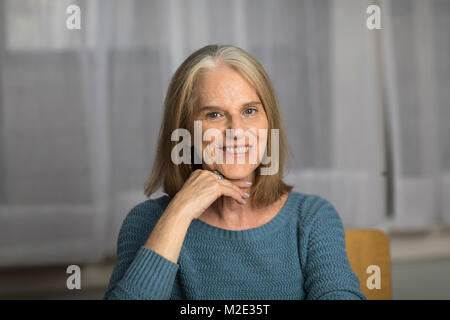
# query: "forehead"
{"points": [[223, 86]]}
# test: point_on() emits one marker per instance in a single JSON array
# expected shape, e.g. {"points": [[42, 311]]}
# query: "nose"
{"points": [[236, 124]]}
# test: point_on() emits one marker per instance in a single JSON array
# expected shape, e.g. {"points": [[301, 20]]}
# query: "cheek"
{"points": [[262, 122], [262, 140], [211, 134], [263, 136]]}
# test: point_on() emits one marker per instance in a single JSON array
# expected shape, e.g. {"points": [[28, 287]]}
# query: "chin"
{"points": [[236, 171]]}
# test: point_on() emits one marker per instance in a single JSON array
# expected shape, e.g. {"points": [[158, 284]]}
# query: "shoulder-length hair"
{"points": [[178, 113]]}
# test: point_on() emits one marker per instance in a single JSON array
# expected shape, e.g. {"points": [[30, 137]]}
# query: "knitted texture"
{"points": [[299, 254]]}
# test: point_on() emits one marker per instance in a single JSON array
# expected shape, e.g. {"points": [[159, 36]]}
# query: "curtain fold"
{"points": [[345, 138], [417, 69]]}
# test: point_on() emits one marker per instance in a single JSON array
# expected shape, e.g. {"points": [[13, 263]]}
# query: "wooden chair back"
{"points": [[369, 255]]}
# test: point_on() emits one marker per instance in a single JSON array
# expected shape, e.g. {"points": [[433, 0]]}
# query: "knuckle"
{"points": [[207, 173], [216, 184]]}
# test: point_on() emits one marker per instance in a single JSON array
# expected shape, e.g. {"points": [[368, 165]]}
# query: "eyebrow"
{"points": [[247, 104]]}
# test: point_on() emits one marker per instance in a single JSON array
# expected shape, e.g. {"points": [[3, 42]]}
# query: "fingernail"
{"points": [[247, 194], [248, 182], [243, 201]]}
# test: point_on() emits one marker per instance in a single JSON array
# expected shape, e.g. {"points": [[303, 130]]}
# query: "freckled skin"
{"points": [[224, 87]]}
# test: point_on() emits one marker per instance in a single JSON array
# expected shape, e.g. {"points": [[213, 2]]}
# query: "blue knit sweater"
{"points": [[299, 254]]}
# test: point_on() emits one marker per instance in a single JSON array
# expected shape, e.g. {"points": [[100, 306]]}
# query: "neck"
{"points": [[229, 212]]}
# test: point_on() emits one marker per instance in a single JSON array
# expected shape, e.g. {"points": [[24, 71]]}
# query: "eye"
{"points": [[253, 111], [212, 115]]}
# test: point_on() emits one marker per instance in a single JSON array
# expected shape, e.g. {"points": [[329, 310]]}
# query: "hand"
{"points": [[201, 189]]}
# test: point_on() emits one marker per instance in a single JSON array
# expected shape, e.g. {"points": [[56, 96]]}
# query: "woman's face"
{"points": [[226, 100]]}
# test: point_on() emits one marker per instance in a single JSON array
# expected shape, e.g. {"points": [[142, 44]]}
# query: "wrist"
{"points": [[178, 213]]}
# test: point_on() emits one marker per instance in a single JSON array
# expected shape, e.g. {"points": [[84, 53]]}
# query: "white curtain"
{"points": [[366, 111], [417, 50], [341, 132]]}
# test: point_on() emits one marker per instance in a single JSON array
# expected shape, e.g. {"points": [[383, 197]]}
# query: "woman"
{"points": [[228, 229]]}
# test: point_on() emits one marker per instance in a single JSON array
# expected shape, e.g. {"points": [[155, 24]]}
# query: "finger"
{"points": [[232, 193], [196, 172], [238, 193], [235, 187]]}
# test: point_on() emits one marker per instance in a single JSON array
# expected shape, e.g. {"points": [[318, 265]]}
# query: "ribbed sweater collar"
{"points": [[201, 228]]}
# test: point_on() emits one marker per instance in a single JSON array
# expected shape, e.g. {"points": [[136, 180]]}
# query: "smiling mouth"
{"points": [[236, 150]]}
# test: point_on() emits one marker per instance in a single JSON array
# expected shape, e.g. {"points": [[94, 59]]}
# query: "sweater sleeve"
{"points": [[140, 273], [329, 275]]}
